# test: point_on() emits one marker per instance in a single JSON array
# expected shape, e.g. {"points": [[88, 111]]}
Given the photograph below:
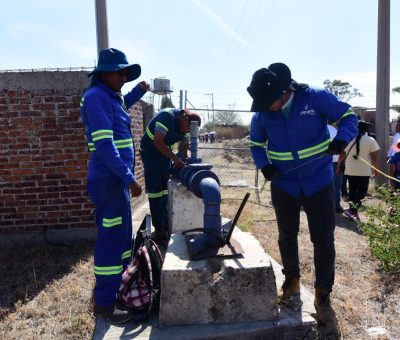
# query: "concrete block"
{"points": [[185, 210], [217, 290]]}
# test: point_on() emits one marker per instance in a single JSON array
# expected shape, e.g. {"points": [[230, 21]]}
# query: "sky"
{"points": [[208, 46]]}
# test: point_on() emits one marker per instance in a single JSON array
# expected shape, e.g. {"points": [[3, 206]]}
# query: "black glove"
{"points": [[336, 146], [269, 171]]}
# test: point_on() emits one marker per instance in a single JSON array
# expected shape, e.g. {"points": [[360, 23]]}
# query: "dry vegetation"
{"points": [[46, 290], [363, 296]]}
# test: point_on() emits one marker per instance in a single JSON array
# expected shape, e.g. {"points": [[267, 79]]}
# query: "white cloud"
{"points": [[221, 23]]}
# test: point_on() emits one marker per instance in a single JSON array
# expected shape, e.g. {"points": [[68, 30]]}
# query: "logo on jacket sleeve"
{"points": [[307, 111]]}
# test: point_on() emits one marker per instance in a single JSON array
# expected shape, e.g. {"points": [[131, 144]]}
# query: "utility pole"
{"points": [[383, 85], [101, 24], [212, 105], [181, 99]]}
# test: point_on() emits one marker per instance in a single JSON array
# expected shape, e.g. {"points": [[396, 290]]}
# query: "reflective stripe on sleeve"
{"points": [[112, 222], [162, 126], [280, 156], [126, 254], [322, 147], [253, 143], [102, 134], [149, 133], [349, 112]]}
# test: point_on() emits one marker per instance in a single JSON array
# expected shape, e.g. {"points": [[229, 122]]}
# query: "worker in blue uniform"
{"points": [[290, 143], [111, 178], [165, 129]]}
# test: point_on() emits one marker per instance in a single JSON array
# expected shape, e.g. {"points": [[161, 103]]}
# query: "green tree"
{"points": [[396, 107], [227, 118], [342, 89], [166, 102]]}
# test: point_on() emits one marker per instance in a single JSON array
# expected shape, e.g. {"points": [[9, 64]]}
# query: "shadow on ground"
{"points": [[26, 269]]}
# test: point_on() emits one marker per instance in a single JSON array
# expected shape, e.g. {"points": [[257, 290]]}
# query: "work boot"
{"points": [[116, 313], [326, 316], [289, 293]]}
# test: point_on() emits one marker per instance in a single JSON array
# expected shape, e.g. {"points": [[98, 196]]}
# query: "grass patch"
{"points": [[383, 229]]}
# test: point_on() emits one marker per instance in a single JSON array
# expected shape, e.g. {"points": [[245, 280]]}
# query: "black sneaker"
{"points": [[116, 313]]}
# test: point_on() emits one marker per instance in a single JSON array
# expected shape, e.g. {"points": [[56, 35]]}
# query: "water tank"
{"points": [[161, 86]]}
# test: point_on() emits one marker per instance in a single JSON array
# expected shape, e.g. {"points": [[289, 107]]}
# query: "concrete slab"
{"points": [[217, 290]]}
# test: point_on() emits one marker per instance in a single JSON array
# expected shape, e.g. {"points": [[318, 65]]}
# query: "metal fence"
{"points": [[232, 163]]}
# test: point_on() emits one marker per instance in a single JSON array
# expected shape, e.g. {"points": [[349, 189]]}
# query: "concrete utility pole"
{"points": [[383, 85], [212, 105], [101, 24]]}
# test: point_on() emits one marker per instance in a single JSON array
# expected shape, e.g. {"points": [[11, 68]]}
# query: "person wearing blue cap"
{"points": [[290, 143], [111, 178]]}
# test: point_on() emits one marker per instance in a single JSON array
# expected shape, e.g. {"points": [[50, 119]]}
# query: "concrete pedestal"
{"points": [[217, 290], [185, 210]]}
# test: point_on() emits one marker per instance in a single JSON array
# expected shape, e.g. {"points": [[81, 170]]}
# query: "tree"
{"points": [[166, 102], [227, 118], [342, 89], [396, 107]]}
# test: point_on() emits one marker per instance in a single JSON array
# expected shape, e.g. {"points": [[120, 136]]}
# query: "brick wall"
{"points": [[43, 151]]}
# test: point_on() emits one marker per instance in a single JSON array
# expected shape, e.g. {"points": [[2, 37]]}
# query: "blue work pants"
{"points": [[113, 248]]}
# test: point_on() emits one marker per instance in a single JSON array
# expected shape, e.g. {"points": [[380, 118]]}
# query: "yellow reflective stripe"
{"points": [[119, 144], [187, 135], [281, 156], [81, 102], [149, 133], [349, 112], [162, 125], [111, 222], [123, 143], [101, 134], [165, 192], [155, 194], [126, 254], [253, 143], [314, 150], [110, 270]]}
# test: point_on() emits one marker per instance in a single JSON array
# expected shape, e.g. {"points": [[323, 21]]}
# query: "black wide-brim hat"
{"points": [[268, 85], [112, 59]]}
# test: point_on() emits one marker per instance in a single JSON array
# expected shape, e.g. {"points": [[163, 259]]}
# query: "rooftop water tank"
{"points": [[161, 86]]}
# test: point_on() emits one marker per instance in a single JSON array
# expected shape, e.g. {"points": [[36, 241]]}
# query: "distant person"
{"points": [[356, 170], [291, 119], [111, 178], [337, 179], [166, 128], [394, 165], [396, 138]]}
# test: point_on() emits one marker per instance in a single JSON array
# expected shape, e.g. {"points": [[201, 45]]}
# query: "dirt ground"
{"points": [[46, 290], [364, 298]]}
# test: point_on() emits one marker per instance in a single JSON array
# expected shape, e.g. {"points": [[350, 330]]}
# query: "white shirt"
{"points": [[396, 137], [332, 134], [356, 167]]}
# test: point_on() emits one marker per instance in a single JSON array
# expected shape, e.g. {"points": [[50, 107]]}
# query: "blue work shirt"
{"points": [[166, 122], [297, 144], [108, 132]]}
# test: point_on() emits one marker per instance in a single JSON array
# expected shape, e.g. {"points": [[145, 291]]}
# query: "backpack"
{"points": [[140, 286]]}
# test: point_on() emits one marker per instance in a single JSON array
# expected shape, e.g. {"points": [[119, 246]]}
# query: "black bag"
{"points": [[140, 286]]}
